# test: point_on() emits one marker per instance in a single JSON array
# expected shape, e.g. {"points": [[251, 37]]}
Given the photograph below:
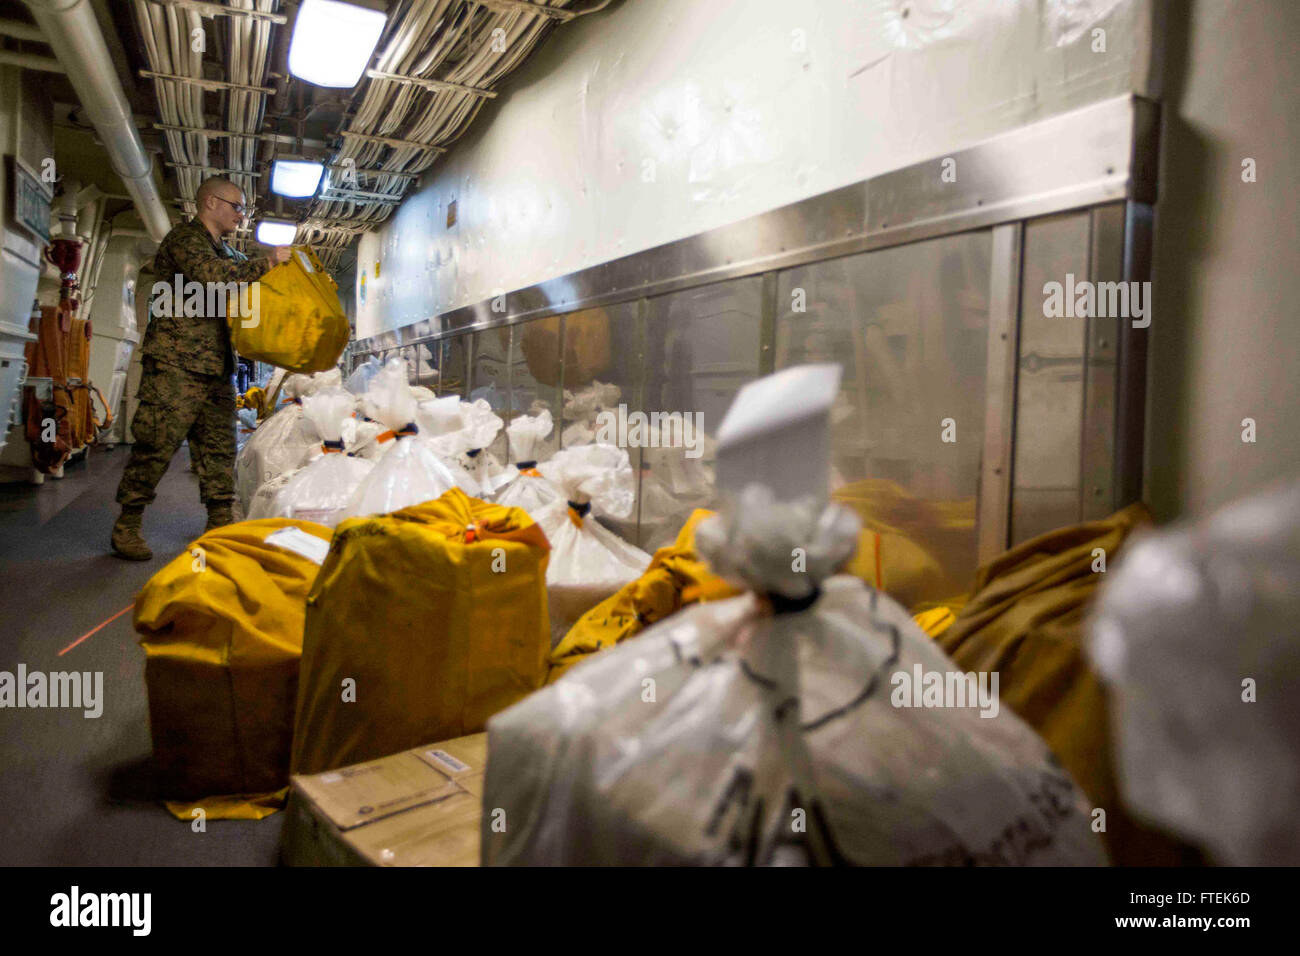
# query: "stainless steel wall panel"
{"points": [[1000, 385], [603, 347], [1097, 483], [537, 375], [489, 369], [702, 346], [1049, 391], [1089, 156], [453, 365], [910, 328]]}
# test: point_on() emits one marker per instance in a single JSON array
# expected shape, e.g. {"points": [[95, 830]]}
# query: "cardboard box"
{"points": [[420, 807]]}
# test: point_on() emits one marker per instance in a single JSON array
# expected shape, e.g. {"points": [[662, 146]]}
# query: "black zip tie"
{"points": [[521, 465], [410, 428], [333, 444], [785, 605], [582, 509], [473, 452]]}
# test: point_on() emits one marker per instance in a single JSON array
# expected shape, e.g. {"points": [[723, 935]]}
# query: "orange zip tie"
{"points": [[575, 517], [394, 433], [531, 472]]}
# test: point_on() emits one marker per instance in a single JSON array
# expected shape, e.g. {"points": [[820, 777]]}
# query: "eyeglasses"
{"points": [[238, 206]]}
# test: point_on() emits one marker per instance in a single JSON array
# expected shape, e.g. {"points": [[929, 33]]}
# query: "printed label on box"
{"points": [[446, 761]]}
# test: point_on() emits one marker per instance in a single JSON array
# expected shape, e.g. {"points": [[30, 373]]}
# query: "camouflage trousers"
{"points": [[176, 405]]}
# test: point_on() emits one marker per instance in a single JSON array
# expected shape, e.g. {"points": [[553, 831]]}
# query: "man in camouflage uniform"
{"points": [[186, 389]]}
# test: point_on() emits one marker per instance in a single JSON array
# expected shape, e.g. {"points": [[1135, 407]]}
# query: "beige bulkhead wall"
{"points": [[650, 122], [1225, 338]]}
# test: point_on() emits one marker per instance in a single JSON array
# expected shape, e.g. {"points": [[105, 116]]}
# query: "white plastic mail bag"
{"points": [[524, 486], [479, 428], [410, 472], [282, 443], [768, 731], [1195, 633], [320, 491], [588, 562]]}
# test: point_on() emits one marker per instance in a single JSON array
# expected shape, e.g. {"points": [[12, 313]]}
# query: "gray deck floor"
{"points": [[75, 790]]}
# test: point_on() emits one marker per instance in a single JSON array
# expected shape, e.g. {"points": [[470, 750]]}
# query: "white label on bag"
{"points": [[447, 760], [300, 542]]}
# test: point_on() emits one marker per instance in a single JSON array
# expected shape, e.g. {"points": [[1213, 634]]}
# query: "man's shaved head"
{"points": [[219, 206], [216, 186]]}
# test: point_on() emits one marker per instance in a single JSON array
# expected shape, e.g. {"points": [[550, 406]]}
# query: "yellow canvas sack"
{"points": [[422, 624], [299, 323], [1025, 620], [221, 627], [904, 542], [675, 578]]}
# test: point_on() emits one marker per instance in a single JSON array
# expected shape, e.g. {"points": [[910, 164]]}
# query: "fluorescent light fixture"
{"points": [[332, 42], [276, 233], [295, 178]]}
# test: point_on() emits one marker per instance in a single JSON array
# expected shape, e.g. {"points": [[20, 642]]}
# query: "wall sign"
{"points": [[32, 200]]}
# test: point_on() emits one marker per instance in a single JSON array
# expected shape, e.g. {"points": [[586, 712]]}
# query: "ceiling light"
{"points": [[332, 42], [276, 233], [295, 178]]}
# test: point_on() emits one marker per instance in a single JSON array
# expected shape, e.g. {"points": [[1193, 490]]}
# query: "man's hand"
{"points": [[279, 254]]}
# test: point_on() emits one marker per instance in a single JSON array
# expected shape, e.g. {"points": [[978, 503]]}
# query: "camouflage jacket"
{"points": [[200, 342]]}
